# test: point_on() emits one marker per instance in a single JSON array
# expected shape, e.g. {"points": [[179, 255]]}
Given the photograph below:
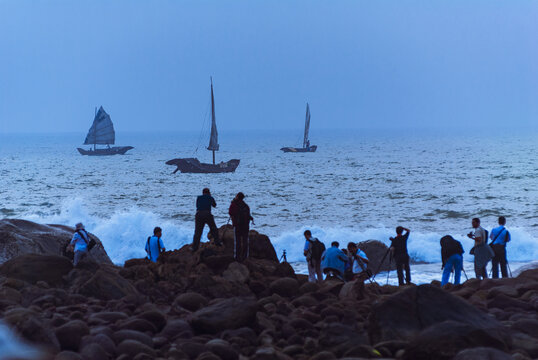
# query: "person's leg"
{"points": [[485, 272], [244, 244], [407, 272], [446, 273], [311, 272], [503, 261], [458, 265], [198, 229], [477, 271], [237, 243], [399, 270], [495, 267], [213, 229], [317, 266], [76, 258]]}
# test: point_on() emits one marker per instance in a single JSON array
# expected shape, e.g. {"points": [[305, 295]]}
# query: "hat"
{"points": [[79, 226]]}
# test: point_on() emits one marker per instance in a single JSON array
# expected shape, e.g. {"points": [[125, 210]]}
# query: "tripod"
{"points": [[283, 256]]}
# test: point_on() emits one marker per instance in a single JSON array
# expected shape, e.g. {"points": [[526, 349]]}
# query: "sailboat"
{"points": [[102, 133], [306, 142], [193, 165]]}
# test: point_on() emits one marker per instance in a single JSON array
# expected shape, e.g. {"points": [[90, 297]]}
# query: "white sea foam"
{"points": [[124, 233]]}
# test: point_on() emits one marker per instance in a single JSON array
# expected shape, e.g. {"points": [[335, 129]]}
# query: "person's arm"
{"points": [[491, 237], [306, 247], [161, 245], [74, 239], [197, 203], [213, 202], [363, 259]]}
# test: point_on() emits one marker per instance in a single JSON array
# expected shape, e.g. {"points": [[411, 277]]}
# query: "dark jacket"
{"points": [[449, 247], [205, 202], [240, 213], [399, 243]]}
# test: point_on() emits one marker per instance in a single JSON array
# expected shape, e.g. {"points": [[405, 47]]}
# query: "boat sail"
{"points": [[306, 142], [193, 165], [102, 133]]}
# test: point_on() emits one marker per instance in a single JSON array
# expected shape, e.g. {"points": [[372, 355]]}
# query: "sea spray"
{"points": [[125, 232]]}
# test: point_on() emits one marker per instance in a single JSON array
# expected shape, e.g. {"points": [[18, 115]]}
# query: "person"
{"points": [[241, 218], [499, 236], [333, 260], [313, 250], [203, 216], [398, 248], [154, 245], [359, 261], [80, 242], [452, 259], [482, 253]]}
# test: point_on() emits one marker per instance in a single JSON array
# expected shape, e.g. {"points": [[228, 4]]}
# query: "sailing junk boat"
{"points": [[193, 165], [102, 133], [306, 143]]}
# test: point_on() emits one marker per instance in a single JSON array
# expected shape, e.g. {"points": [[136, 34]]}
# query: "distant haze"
{"points": [[360, 64]]}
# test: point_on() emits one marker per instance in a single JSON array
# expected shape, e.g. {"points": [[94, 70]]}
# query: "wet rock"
{"points": [[446, 339], [122, 335], [191, 301], [286, 287], [323, 355], [21, 237], [406, 313], [225, 314], [33, 268], [31, 327], [140, 325], [70, 334], [222, 349], [236, 272], [132, 348], [108, 316], [482, 353], [94, 351], [176, 328], [68, 355], [107, 285]]}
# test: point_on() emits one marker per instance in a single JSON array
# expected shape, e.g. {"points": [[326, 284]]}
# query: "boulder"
{"points": [[191, 301], [224, 314], [376, 252], [482, 353], [260, 246], [70, 334], [31, 327], [285, 287], [107, 285], [236, 272], [33, 268], [132, 348], [19, 237], [403, 315], [446, 339]]}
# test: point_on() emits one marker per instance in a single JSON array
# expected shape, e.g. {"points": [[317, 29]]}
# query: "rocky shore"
{"points": [[206, 306]]}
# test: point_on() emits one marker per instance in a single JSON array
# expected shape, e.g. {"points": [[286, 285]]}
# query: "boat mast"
{"points": [[306, 126], [214, 137]]}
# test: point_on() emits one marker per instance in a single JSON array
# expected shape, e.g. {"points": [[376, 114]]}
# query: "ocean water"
{"points": [[359, 185]]}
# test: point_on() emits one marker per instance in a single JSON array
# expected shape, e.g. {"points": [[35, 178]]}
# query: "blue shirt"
{"points": [[205, 202], [500, 234], [153, 249], [80, 243], [334, 258], [308, 243]]}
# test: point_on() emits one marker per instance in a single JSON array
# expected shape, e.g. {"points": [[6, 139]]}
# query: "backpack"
{"points": [[317, 249], [91, 243]]}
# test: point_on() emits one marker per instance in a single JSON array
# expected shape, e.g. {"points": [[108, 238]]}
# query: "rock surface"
{"points": [[204, 305]]}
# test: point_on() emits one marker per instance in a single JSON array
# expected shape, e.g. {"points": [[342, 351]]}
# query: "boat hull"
{"points": [[194, 166], [312, 148], [115, 150]]}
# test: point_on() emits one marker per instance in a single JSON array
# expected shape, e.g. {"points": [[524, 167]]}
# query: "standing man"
{"points": [[313, 249], [203, 216], [80, 240], [154, 245], [398, 247], [240, 215], [481, 251], [452, 258], [499, 236]]}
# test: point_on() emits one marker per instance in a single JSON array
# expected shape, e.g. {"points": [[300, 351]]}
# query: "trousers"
{"points": [[401, 265], [202, 219], [314, 269], [499, 259], [241, 243], [454, 262]]}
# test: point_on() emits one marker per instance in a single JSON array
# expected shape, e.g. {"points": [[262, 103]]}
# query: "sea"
{"points": [[359, 185]]}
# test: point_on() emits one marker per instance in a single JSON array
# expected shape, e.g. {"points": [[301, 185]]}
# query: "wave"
{"points": [[124, 234]]}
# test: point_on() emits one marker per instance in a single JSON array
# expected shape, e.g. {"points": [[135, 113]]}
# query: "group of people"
{"points": [[346, 264], [352, 263], [452, 252]]}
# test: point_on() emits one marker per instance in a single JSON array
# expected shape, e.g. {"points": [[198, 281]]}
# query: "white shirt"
{"points": [[480, 232]]}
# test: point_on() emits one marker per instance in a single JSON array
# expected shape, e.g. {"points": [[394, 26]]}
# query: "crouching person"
{"points": [[359, 262], [452, 257], [80, 241], [333, 261]]}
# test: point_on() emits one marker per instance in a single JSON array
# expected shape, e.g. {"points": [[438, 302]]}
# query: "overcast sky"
{"points": [[360, 64]]}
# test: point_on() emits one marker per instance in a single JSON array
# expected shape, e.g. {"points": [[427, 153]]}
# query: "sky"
{"points": [[388, 64]]}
